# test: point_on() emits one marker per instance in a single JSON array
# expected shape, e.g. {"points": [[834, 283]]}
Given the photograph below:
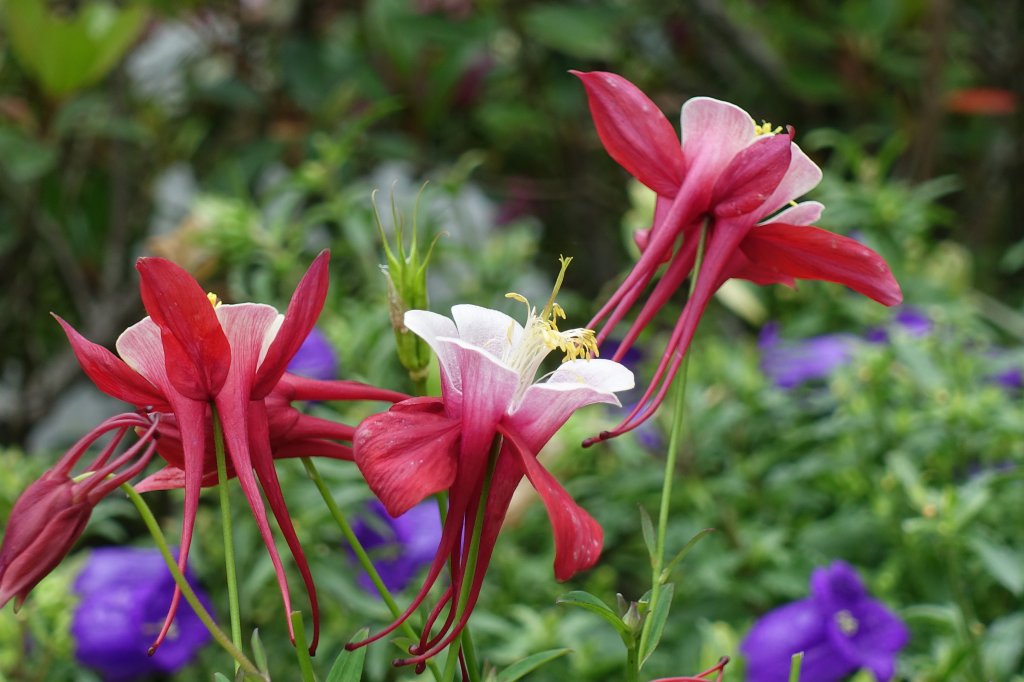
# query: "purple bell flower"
{"points": [[399, 547], [791, 363], [840, 629], [316, 358], [912, 321], [124, 596]]}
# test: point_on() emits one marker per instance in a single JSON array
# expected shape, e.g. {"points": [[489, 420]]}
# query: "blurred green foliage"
{"points": [[239, 139]]}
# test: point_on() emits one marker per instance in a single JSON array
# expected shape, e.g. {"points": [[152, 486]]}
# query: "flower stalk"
{"points": [[229, 542], [670, 466]]}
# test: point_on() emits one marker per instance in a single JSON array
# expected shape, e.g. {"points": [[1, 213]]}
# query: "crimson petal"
{"points": [[634, 131], [406, 455], [752, 176], [307, 301], [807, 252], [578, 537], [110, 373], [197, 351]]}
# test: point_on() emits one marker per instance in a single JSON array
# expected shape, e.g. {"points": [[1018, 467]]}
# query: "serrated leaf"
{"points": [[589, 602], [523, 667], [1002, 563], [258, 652], [348, 666], [681, 554], [659, 616], [647, 526]]}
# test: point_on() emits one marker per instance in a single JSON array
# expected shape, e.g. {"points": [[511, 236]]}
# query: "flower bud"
{"points": [[44, 524]]}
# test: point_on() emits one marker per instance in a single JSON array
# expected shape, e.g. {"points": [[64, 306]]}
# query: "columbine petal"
{"points": [[807, 252], [197, 352], [634, 131], [429, 327], [303, 310], [801, 177], [578, 537], [406, 455], [712, 133], [752, 176], [546, 406], [110, 374], [804, 213], [491, 330]]}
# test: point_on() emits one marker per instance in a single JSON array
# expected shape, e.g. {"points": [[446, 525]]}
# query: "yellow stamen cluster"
{"points": [[575, 343], [541, 335], [766, 128], [848, 625], [214, 301]]}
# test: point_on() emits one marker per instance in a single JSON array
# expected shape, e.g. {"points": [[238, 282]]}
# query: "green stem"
{"points": [[229, 541], [301, 648], [795, 663], [632, 663], [670, 459], [361, 555], [186, 589], [468, 575], [469, 651]]}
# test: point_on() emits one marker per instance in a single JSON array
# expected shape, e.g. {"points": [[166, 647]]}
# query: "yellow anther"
{"points": [[766, 128], [517, 297], [212, 298]]}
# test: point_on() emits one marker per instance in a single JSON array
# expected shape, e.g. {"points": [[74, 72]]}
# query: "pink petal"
{"points": [[806, 252], [110, 374], [546, 406], [196, 349], [804, 213], [303, 388], [751, 177], [712, 133], [406, 456], [634, 131], [303, 311], [801, 177], [488, 389], [578, 537]]}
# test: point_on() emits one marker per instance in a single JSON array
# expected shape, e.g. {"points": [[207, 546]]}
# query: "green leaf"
{"points": [[647, 526], [220, 677], [258, 652], [522, 667], [589, 602], [67, 54], [683, 552], [348, 666], [659, 616], [1002, 563]]}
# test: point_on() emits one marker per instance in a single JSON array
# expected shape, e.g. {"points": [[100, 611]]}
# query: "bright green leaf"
{"points": [[659, 616], [683, 552], [522, 667], [587, 601], [348, 666], [1002, 563]]}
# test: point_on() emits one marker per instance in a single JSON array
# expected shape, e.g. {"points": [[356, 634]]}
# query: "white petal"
{"points": [[601, 375], [804, 213], [429, 327], [491, 330], [801, 177]]}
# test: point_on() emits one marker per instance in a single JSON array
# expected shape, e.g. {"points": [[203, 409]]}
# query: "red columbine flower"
{"points": [[192, 355], [51, 514], [425, 445], [732, 176]]}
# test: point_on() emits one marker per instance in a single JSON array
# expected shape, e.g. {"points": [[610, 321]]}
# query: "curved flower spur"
{"points": [[193, 356], [735, 181], [479, 439]]}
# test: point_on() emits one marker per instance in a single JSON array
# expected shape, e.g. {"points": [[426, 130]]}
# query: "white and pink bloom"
{"points": [[489, 364], [734, 178]]}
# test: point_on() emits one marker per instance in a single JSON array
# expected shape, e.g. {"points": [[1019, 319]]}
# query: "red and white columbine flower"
{"points": [[193, 355], [489, 364], [733, 176]]}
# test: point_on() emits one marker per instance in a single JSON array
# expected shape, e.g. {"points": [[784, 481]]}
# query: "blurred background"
{"points": [[241, 138]]}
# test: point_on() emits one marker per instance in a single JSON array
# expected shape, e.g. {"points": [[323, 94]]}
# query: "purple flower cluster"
{"points": [[400, 546], [840, 629], [124, 596]]}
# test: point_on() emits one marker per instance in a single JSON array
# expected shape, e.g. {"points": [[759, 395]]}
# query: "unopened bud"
{"points": [[632, 618], [44, 525]]}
